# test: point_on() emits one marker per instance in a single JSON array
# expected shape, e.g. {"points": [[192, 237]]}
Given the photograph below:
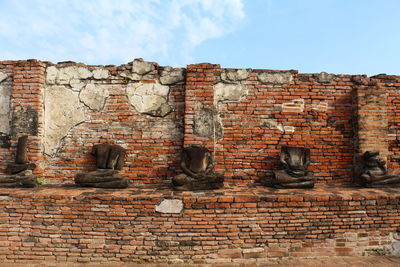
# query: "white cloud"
{"points": [[116, 31]]}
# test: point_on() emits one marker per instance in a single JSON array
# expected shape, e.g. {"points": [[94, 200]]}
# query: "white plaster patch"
{"points": [[131, 76], [321, 106], [5, 96], [272, 124], [170, 75], [170, 206], [142, 67], [65, 75], [94, 96], [100, 73], [77, 85], [296, 105], [100, 207], [235, 75], [62, 112], [51, 74], [229, 92], [253, 250], [395, 248], [3, 76], [149, 98], [289, 129], [275, 77]]}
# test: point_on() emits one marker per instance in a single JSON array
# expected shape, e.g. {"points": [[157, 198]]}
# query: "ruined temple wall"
{"points": [[5, 111], [392, 85], [378, 109], [255, 112], [243, 116], [138, 106], [22, 103]]}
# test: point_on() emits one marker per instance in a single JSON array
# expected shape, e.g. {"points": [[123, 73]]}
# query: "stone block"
{"points": [[171, 75], [3, 76], [229, 92], [149, 98], [170, 206], [275, 78], [142, 67], [324, 77], [230, 76], [94, 96]]}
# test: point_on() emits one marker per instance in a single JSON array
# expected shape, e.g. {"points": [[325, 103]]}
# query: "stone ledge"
{"points": [[230, 193]]}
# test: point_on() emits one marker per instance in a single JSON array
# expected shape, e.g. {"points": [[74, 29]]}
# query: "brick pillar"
{"points": [[27, 107], [199, 97], [372, 119]]}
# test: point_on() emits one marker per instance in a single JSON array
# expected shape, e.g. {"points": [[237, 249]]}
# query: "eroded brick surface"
{"points": [[235, 224]]}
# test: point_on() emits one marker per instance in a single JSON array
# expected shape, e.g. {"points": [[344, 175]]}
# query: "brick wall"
{"points": [[26, 108], [392, 84], [6, 68], [372, 118], [153, 143], [238, 224], [306, 111], [243, 116]]}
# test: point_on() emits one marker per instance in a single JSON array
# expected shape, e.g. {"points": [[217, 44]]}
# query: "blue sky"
{"points": [[338, 36]]}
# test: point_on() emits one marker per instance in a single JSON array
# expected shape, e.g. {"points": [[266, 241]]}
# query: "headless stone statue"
{"points": [[294, 161], [374, 173], [109, 156], [197, 163], [109, 159], [19, 172]]}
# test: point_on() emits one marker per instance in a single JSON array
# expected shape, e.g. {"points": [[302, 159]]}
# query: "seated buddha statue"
{"points": [[19, 172], [197, 163], [374, 173], [109, 159], [294, 161]]}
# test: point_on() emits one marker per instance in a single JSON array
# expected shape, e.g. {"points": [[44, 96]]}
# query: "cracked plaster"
{"points": [[149, 98], [94, 96], [63, 111], [5, 100]]}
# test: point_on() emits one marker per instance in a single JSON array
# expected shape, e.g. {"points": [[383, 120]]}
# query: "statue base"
{"points": [[14, 168], [388, 180], [284, 180], [102, 178], [183, 182], [23, 179]]}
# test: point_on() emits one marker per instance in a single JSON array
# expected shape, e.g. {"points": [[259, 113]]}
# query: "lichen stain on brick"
{"points": [[208, 124]]}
